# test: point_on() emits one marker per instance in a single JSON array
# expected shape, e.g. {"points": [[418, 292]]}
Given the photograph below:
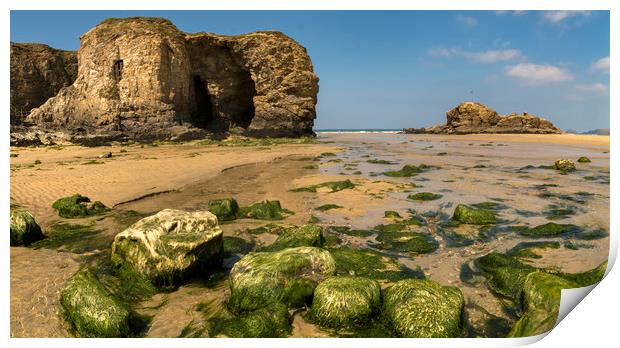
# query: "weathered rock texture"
{"points": [[471, 117], [142, 78], [38, 72]]}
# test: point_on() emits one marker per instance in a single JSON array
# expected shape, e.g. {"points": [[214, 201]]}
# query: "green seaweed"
{"points": [[550, 229], [380, 161], [467, 215], [78, 206], [266, 210], [397, 237], [344, 301], [583, 159], [391, 214], [24, 229], [351, 232], [225, 209], [271, 321], [74, 238], [307, 235], [93, 311], [326, 207], [408, 170], [237, 245], [529, 249], [371, 264], [424, 308], [334, 186], [424, 196]]}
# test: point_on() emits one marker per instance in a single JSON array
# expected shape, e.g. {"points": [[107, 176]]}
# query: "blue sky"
{"points": [[394, 69]]}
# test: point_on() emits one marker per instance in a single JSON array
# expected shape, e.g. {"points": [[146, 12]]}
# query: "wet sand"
{"points": [[252, 174]]}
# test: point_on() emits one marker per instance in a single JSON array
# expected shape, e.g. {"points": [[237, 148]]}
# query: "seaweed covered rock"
{"points": [[23, 227], [424, 196], [505, 274], [270, 321], [170, 246], [541, 300], [333, 186], [288, 276], [225, 209], [424, 308], [583, 159], [398, 237], [550, 229], [407, 170], [371, 264], [267, 210], [78, 206], [345, 301], [564, 165], [93, 311], [307, 235], [467, 215]]}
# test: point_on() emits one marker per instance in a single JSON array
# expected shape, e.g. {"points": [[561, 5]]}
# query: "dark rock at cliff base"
{"points": [[143, 79], [471, 117], [38, 72]]}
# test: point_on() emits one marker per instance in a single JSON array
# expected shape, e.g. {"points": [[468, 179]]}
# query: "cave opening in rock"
{"points": [[203, 112], [118, 70], [241, 102]]}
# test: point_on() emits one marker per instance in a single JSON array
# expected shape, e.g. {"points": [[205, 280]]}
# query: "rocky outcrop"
{"points": [[169, 247], [142, 78], [38, 72], [471, 117]]}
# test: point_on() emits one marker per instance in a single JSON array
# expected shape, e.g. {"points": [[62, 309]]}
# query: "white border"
{"points": [[590, 324]]}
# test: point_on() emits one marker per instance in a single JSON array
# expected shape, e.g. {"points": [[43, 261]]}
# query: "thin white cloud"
{"points": [[574, 98], [557, 17], [529, 73], [601, 65], [489, 56], [467, 20], [514, 12], [493, 56], [592, 87]]}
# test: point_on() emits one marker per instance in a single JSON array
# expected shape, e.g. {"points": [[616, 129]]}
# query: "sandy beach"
{"points": [[148, 178]]}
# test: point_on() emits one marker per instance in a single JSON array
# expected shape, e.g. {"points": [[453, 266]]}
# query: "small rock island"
{"points": [[472, 117]]}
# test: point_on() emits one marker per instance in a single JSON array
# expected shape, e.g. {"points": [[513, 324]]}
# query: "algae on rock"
{"points": [[344, 301], [307, 235], [267, 210], [270, 321], [170, 246], [288, 276], [225, 209], [23, 227], [467, 215], [78, 206], [424, 308], [94, 311]]}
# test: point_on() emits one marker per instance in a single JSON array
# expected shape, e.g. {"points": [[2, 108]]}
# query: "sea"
{"points": [[347, 130]]}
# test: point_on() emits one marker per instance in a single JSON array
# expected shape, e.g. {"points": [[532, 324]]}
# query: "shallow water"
{"points": [[501, 180]]}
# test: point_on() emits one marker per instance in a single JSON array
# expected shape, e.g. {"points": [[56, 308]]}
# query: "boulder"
{"points": [[564, 165], [424, 308], [307, 235], [225, 209], [472, 117], [38, 72], [266, 210], [345, 301], [468, 215], [270, 321], [93, 311], [170, 246], [143, 79], [288, 276], [78, 206], [541, 300], [24, 228]]}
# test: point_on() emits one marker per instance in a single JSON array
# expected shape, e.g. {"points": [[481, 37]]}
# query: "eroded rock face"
{"points": [[142, 78], [170, 246], [38, 72], [471, 117]]}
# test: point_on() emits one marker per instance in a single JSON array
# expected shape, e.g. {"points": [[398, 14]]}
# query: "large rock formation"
{"points": [[142, 78], [38, 72], [471, 117]]}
